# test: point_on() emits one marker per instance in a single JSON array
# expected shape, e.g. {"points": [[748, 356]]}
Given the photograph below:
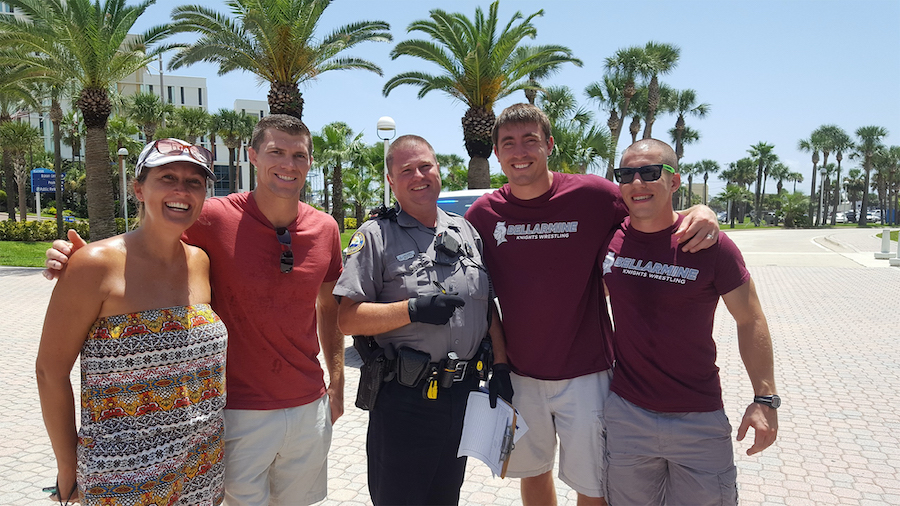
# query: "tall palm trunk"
{"points": [[477, 124], [22, 181], [10, 185], [10, 176], [705, 187], [338, 195], [285, 98], [100, 204], [635, 128], [56, 115], [652, 105], [232, 171], [812, 189], [837, 188], [615, 127], [95, 109], [864, 206]]}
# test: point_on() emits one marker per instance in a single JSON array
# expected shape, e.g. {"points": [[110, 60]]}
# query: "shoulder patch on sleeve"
{"points": [[356, 243]]}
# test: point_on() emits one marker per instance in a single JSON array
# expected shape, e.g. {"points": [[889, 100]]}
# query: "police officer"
{"points": [[415, 280]]}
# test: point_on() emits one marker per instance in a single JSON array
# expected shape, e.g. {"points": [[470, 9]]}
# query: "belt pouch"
{"points": [[411, 366], [372, 372]]}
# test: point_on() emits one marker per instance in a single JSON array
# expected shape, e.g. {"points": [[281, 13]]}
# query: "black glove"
{"points": [[434, 309], [500, 384]]}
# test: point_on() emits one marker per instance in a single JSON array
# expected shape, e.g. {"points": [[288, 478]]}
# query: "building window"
{"points": [[171, 94], [150, 88], [8, 8], [41, 125], [260, 115], [182, 95], [200, 96]]}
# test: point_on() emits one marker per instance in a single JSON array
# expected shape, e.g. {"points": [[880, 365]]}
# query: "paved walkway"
{"points": [[834, 313]]}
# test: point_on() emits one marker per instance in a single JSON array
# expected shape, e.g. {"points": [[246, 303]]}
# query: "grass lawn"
{"points": [[23, 254]]}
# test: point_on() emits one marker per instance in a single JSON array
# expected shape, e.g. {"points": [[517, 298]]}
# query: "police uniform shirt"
{"points": [[394, 259]]}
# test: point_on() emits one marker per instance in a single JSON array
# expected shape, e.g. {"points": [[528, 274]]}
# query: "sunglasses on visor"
{"points": [[648, 173], [171, 147]]}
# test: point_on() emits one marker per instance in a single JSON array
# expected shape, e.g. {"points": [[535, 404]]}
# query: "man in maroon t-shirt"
{"points": [[668, 439], [544, 235]]}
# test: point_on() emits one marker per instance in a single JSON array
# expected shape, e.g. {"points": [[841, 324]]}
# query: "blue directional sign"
{"points": [[43, 181]]}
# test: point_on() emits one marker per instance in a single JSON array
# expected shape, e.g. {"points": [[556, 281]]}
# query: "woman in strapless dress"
{"points": [[135, 307]]}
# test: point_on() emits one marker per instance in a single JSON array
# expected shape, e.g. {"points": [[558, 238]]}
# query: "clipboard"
{"points": [[507, 446]]}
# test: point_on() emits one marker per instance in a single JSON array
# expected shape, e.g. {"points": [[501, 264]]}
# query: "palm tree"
{"points": [[853, 185], [762, 154], [638, 111], [579, 144], [707, 167], [73, 132], [13, 98], [609, 97], [869, 143], [812, 145], [795, 177], [275, 40], [233, 127], [684, 102], [149, 112], [737, 196], [793, 206], [540, 73], [18, 139], [454, 174], [740, 173], [88, 43], [337, 145], [779, 172], [663, 58], [479, 67], [837, 141], [194, 121], [624, 66]]}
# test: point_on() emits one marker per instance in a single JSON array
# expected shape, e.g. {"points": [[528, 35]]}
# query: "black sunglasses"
{"points": [[287, 256], [648, 173]]}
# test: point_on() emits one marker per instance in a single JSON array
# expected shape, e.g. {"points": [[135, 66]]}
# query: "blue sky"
{"points": [[772, 71]]}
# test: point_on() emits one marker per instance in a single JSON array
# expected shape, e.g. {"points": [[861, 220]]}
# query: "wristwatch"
{"points": [[773, 401]]}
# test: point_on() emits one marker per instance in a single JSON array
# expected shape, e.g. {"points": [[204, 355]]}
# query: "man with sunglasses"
{"points": [[668, 438], [278, 309], [415, 280], [549, 230]]}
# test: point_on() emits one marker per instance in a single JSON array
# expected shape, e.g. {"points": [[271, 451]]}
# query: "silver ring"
{"points": [[709, 236]]}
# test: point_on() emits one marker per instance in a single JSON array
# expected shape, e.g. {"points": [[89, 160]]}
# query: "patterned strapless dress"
{"points": [[152, 400]]}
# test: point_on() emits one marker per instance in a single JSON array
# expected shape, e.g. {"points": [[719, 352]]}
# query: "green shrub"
{"points": [[37, 230], [350, 223]]}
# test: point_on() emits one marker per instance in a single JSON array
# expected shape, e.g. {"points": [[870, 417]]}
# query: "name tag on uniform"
{"points": [[405, 256]]}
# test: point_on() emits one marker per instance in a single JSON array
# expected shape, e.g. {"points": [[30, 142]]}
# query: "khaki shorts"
{"points": [[571, 410], [279, 456], [668, 458]]}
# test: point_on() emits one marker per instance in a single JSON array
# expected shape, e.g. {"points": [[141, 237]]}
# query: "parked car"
{"points": [[872, 218], [840, 217], [723, 216], [851, 216], [459, 201]]}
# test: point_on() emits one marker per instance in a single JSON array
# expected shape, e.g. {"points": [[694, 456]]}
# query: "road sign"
{"points": [[43, 181]]}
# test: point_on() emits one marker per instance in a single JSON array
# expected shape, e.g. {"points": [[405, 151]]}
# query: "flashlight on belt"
{"points": [[449, 370]]}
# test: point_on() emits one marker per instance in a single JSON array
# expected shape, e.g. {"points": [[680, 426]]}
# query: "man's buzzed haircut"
{"points": [[518, 114], [405, 141], [668, 154], [290, 125]]}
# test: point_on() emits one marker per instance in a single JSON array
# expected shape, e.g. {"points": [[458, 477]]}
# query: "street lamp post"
{"points": [[122, 154], [386, 131]]}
